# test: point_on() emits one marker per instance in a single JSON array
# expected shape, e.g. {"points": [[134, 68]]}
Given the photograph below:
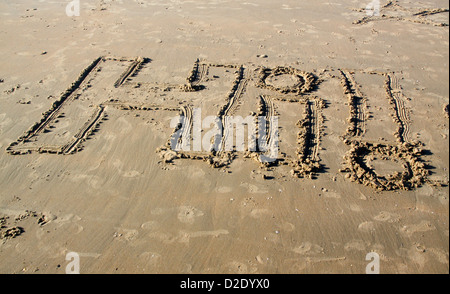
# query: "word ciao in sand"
{"points": [[66, 126]]}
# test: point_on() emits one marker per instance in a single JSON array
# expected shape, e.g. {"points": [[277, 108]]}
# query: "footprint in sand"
{"points": [[249, 206], [415, 254], [389, 217], [68, 223], [163, 237], [253, 189], [126, 234], [355, 208], [423, 226], [4, 121], [188, 214], [150, 258], [93, 181], [260, 213], [307, 248], [224, 190], [358, 245], [196, 173], [118, 164], [366, 226], [185, 237], [150, 225], [287, 227], [331, 194], [185, 214], [262, 258]]}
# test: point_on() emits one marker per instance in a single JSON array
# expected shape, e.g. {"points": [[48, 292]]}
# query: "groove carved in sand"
{"points": [[309, 139], [304, 81], [357, 102], [404, 152], [221, 158], [51, 116]]}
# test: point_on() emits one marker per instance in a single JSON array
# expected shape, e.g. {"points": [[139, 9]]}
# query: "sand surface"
{"points": [[85, 109]]}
